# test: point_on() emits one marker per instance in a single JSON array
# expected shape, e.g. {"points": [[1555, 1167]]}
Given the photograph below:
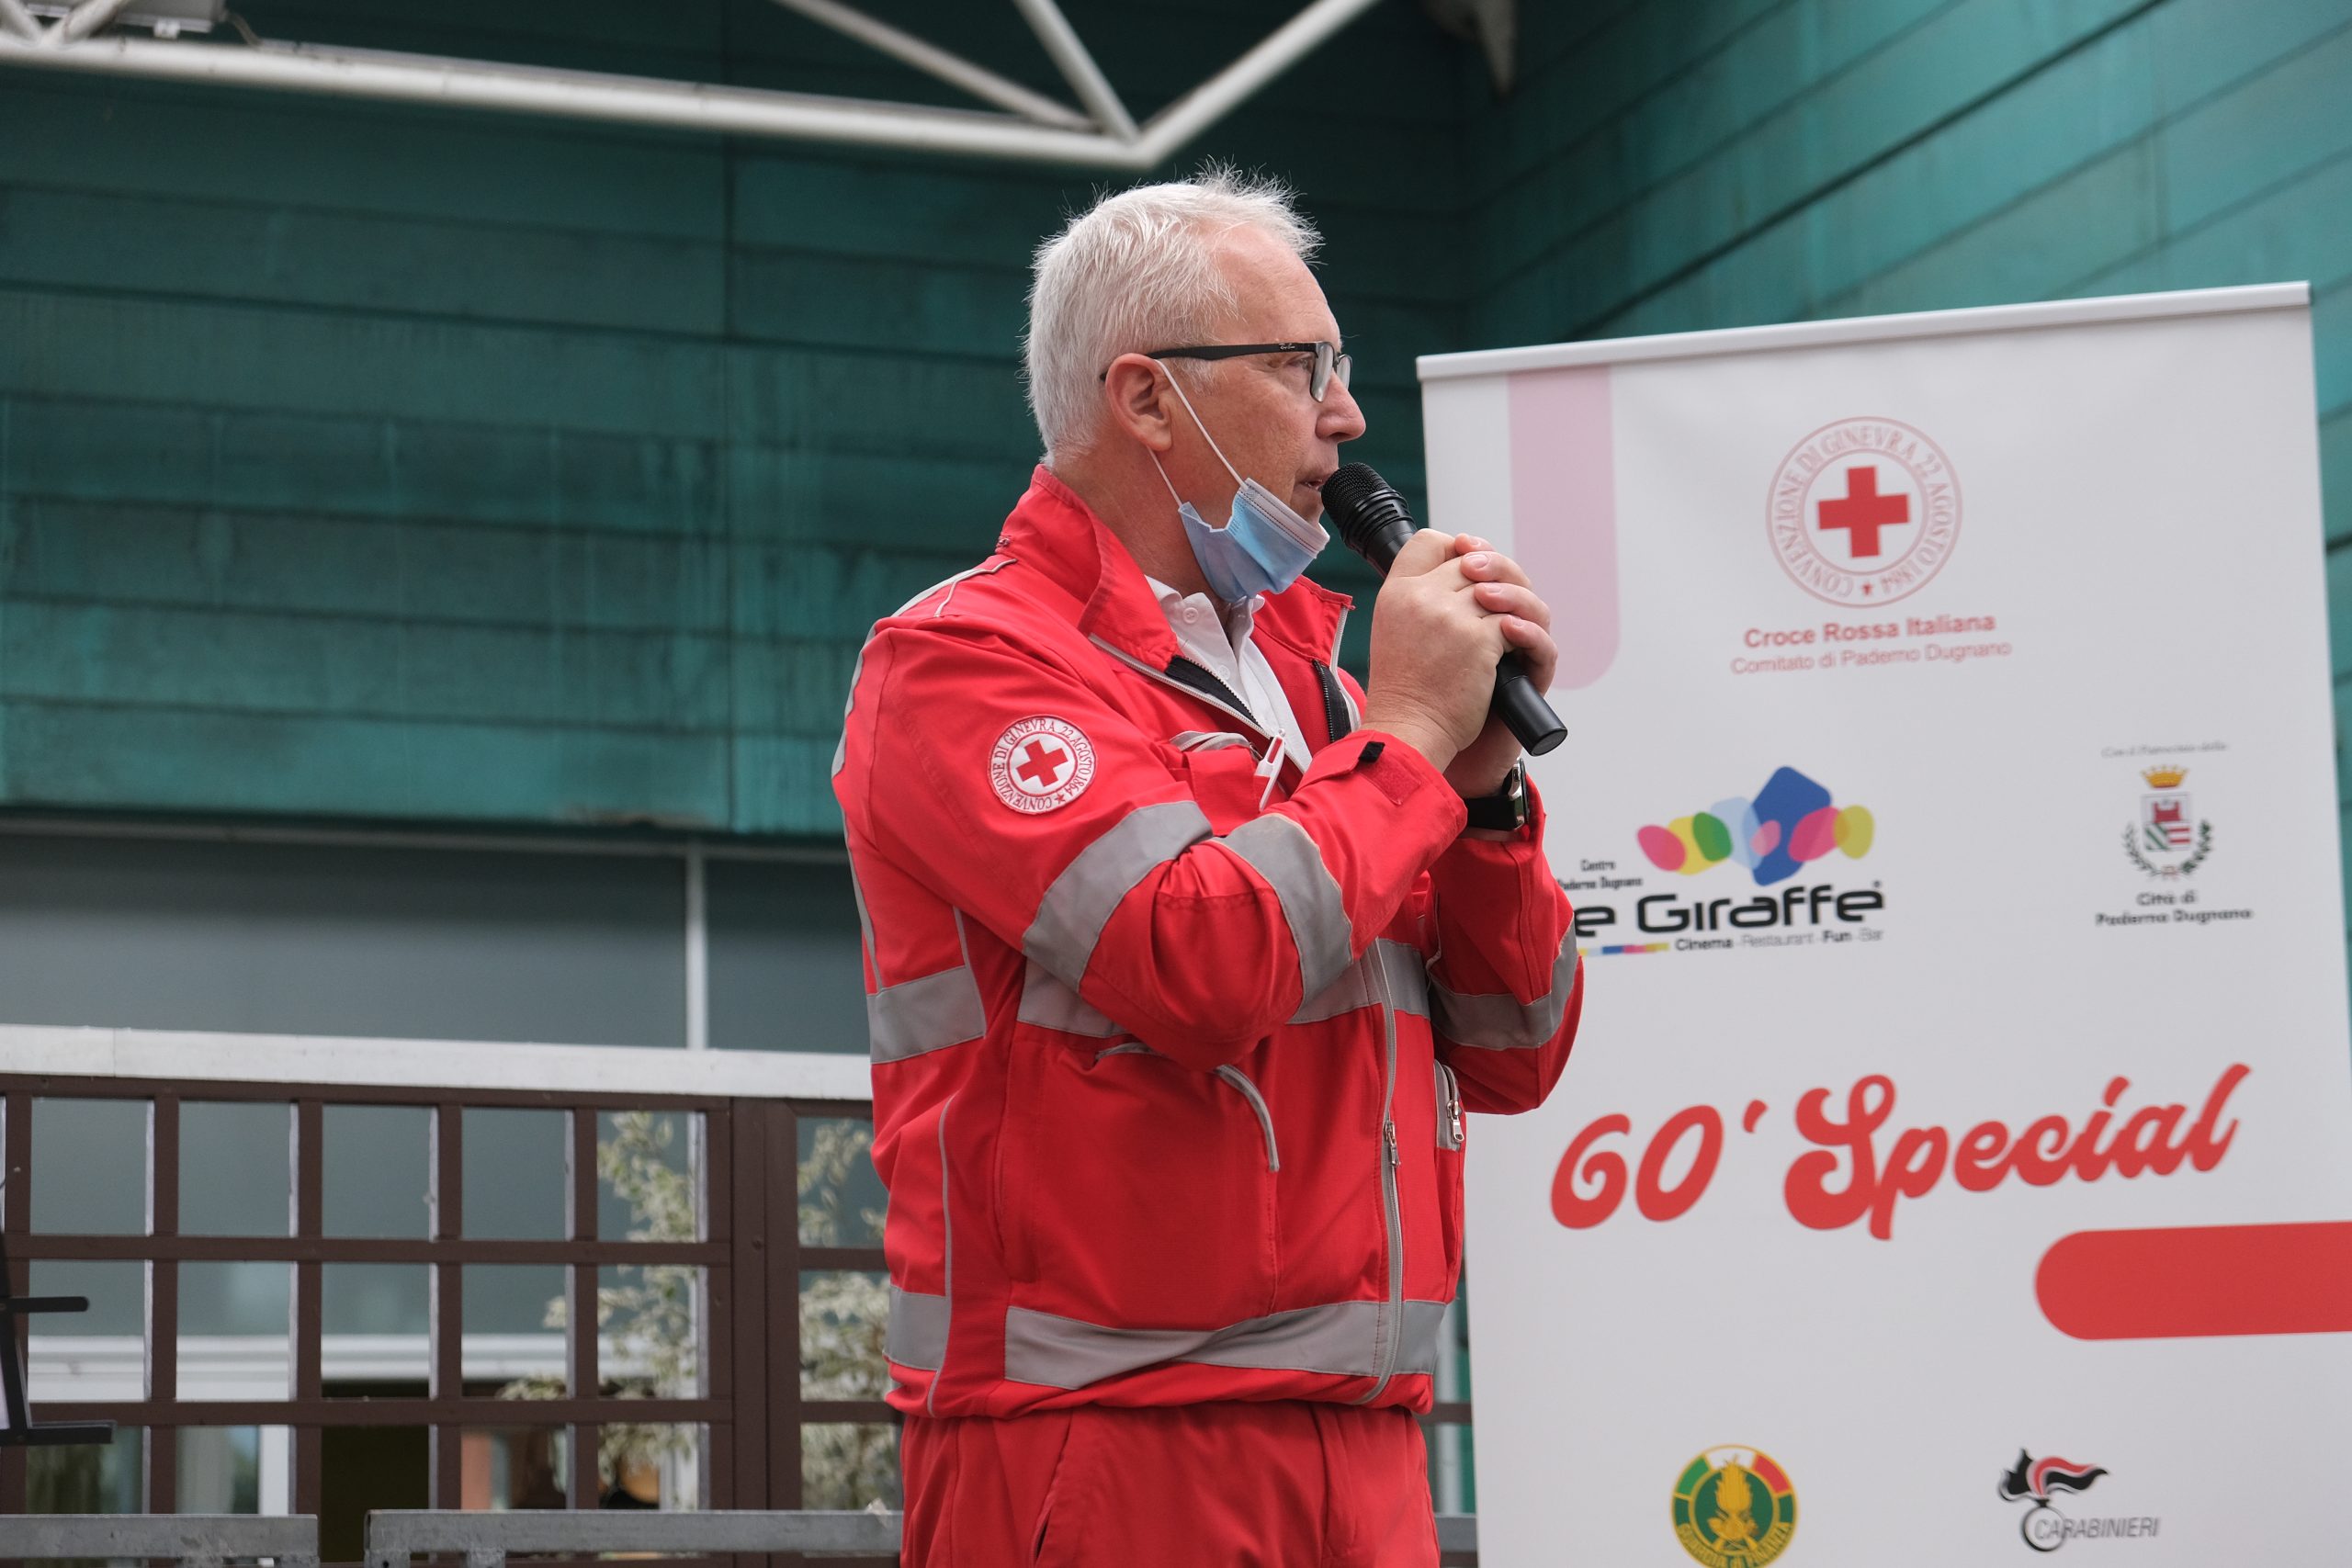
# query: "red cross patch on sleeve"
{"points": [[1040, 764]]}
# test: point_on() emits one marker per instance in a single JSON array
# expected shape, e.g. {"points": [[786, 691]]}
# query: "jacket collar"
{"points": [[1055, 532]]}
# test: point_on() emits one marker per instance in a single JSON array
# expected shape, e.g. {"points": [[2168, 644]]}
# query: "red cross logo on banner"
{"points": [[1862, 512], [1041, 764]]}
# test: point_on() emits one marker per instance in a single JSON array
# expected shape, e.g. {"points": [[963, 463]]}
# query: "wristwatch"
{"points": [[1508, 809]]}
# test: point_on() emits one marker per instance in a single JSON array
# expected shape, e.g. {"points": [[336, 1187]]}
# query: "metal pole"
{"points": [[19, 21], [951, 69], [697, 953], [1077, 67]]}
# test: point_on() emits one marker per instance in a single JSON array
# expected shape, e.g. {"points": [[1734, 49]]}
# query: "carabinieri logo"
{"points": [[2045, 1528], [1734, 1508]]}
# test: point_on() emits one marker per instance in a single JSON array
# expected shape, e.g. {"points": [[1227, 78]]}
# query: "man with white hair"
{"points": [[1185, 956]]}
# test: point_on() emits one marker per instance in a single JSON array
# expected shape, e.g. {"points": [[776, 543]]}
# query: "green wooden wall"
{"points": [[360, 461], [1724, 163]]}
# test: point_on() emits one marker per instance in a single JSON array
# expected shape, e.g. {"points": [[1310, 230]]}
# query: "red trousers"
{"points": [[1268, 1486]]}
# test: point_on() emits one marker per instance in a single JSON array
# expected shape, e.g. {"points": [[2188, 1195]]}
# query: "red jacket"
{"points": [[1166, 1086]]}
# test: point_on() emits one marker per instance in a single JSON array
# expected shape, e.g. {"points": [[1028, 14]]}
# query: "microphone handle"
{"points": [[1517, 703], [1522, 707]]}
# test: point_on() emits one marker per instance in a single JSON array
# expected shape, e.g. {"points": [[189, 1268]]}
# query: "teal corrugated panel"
{"points": [[878, 307], [2065, 118], [2032, 249], [792, 688], [330, 665], [818, 200], [910, 501], [2339, 624], [285, 255], [2302, 229], [2297, 120], [1930, 72], [2335, 476], [1566, 95], [839, 400], [784, 784], [840, 590], [2331, 347], [1698, 114], [177, 759], [268, 460], [301, 150], [249, 358]]}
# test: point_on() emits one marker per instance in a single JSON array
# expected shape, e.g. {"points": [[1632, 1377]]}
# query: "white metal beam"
{"points": [[89, 16], [1077, 67], [951, 69], [688, 105], [428, 1063], [19, 21], [577, 94]]}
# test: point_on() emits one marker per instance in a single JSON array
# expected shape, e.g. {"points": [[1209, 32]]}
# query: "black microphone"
{"points": [[1375, 523]]}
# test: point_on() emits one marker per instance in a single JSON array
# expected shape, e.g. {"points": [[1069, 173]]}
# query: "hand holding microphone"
{"points": [[1455, 632]]}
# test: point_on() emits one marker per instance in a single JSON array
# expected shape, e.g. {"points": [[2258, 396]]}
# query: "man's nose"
{"points": [[1342, 416]]}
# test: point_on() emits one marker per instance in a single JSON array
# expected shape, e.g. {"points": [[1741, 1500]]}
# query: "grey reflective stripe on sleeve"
{"points": [[929, 1014], [1074, 910], [1501, 1023], [1286, 854], [1339, 1341], [1402, 967], [1048, 1003], [917, 1332]]}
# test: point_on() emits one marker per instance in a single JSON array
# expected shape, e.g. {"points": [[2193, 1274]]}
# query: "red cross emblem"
{"points": [[1040, 764], [1862, 512], [1884, 491]]}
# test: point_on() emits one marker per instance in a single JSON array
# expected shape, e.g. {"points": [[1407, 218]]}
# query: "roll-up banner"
{"points": [[1955, 1167]]}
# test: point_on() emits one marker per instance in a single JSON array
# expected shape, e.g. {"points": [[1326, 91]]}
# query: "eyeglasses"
{"points": [[1329, 363]]}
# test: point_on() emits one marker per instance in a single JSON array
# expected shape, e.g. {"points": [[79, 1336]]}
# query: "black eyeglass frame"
{"points": [[1329, 361]]}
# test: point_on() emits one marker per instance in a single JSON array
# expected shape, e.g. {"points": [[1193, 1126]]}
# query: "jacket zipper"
{"points": [[1449, 1108], [1197, 695], [1335, 707], [1205, 682], [1391, 1323], [1232, 1075]]}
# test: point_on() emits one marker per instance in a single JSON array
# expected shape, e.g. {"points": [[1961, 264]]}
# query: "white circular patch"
{"points": [[1040, 764]]}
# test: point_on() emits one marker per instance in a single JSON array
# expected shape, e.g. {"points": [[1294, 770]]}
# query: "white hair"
{"points": [[1139, 271]]}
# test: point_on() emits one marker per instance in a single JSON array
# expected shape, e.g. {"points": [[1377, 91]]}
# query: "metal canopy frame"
{"points": [[1022, 125]]}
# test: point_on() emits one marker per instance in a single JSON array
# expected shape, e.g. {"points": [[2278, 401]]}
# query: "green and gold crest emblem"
{"points": [[1734, 1508]]}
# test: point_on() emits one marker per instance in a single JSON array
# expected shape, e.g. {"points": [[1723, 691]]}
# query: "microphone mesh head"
{"points": [[1359, 501]]}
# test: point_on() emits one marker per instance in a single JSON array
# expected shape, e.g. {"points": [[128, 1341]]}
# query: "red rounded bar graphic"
{"points": [[2200, 1280]]}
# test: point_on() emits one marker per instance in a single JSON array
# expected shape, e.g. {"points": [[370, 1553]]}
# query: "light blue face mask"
{"points": [[1263, 548]]}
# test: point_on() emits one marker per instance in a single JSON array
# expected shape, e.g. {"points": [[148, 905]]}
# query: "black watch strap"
{"points": [[1508, 809]]}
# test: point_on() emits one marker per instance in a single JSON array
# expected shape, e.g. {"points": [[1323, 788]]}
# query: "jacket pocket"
{"points": [[1135, 1191], [1452, 1133]]}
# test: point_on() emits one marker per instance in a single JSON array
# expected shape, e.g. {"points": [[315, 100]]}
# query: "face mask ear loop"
{"points": [[1166, 480], [1202, 428]]}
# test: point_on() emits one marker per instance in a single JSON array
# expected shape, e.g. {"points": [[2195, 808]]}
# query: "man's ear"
{"points": [[1138, 401]]}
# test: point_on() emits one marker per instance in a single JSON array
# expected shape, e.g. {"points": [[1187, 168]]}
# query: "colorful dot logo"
{"points": [[1792, 822]]}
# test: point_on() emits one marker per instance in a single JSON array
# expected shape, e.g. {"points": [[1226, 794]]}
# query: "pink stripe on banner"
{"points": [[1564, 511]]}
